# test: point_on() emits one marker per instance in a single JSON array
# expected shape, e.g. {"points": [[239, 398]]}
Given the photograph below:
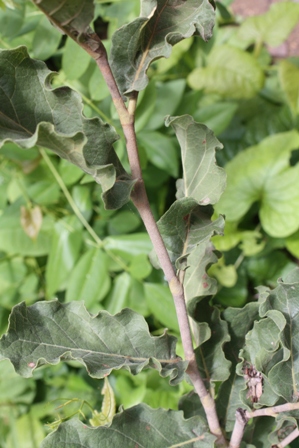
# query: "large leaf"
{"points": [[53, 118], [161, 25], [230, 72], [48, 332], [139, 426], [74, 15], [263, 173], [273, 27]]}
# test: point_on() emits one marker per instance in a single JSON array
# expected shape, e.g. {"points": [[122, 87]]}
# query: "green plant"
{"points": [[240, 354]]}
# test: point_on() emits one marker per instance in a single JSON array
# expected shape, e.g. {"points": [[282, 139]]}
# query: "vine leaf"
{"points": [[136, 427], [47, 332], [161, 25], [264, 173], [32, 113]]}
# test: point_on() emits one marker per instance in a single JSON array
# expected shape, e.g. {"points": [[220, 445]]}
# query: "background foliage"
{"points": [[231, 84]]}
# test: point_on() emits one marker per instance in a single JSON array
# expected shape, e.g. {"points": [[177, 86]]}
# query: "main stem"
{"points": [[140, 200]]}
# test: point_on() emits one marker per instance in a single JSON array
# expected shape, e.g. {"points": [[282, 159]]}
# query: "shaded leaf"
{"points": [[263, 173], [48, 332], [240, 321], [53, 118], [46, 39], [31, 221], [230, 72], [161, 25], [210, 358], [137, 426], [160, 303]]}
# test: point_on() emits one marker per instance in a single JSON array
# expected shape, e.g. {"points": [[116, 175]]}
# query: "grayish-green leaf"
{"points": [[32, 113], [161, 25], [202, 179], [73, 15], [210, 358], [139, 426], [230, 72], [240, 321], [48, 332]]}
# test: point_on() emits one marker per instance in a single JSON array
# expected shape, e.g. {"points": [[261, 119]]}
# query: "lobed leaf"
{"points": [[136, 427], [48, 332], [161, 25], [263, 173], [32, 113]]}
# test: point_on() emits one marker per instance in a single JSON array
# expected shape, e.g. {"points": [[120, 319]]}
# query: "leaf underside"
{"points": [[48, 332], [162, 24], [32, 113]]}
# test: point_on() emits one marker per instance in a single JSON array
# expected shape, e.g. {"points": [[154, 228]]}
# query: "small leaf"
{"points": [[230, 72], [137, 426], [53, 118], [31, 221], [108, 407], [263, 173], [75, 60], [161, 25], [48, 332]]}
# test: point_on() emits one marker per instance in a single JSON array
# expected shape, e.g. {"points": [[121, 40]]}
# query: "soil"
{"points": [[247, 8]]}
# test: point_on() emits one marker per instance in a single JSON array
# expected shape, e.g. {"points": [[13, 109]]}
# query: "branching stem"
{"points": [[140, 200]]}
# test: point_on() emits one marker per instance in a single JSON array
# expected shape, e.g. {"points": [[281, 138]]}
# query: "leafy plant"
{"points": [[58, 240]]}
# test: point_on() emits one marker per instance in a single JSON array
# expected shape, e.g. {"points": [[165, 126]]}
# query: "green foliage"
{"points": [[57, 239]]}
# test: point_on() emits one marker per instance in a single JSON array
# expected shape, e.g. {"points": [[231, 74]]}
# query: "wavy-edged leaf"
{"points": [[136, 427], [48, 332], [202, 179], [263, 173], [210, 358], [230, 72], [32, 113], [240, 321], [72, 15], [161, 25], [280, 307]]}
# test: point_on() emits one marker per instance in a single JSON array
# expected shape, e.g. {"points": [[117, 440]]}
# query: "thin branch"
{"points": [[239, 427], [294, 434], [140, 200], [273, 411]]}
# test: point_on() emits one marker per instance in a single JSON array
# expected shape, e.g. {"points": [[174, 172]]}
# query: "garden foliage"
{"points": [[77, 282]]}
